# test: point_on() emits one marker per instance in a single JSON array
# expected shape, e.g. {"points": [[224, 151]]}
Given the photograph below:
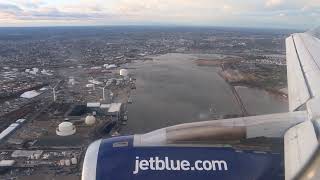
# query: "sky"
{"points": [[298, 14]]}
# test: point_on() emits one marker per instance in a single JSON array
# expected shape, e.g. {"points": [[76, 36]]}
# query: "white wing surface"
{"points": [[303, 63]]}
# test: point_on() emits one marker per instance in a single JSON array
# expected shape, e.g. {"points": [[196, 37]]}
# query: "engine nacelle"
{"points": [[119, 159]]}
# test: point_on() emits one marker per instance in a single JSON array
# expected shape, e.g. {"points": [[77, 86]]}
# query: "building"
{"points": [[115, 110]]}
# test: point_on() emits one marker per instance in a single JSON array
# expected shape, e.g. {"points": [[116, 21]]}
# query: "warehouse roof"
{"points": [[93, 104], [7, 163], [30, 94], [114, 107]]}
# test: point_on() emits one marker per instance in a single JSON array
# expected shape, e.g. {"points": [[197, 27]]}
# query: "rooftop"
{"points": [[7, 163], [114, 107]]}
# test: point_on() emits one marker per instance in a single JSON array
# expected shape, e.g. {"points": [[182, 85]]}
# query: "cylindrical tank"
{"points": [[90, 120], [37, 156], [65, 129], [67, 162], [62, 162], [74, 161]]}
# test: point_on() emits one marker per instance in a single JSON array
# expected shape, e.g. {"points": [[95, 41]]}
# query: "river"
{"points": [[172, 89]]}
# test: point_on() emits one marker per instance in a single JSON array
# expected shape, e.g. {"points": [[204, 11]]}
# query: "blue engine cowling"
{"points": [[118, 159]]}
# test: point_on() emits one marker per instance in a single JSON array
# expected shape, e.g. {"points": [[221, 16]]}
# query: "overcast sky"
{"points": [[301, 14]]}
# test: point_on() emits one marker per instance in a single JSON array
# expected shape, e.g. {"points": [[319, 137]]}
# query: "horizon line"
{"points": [[157, 25]]}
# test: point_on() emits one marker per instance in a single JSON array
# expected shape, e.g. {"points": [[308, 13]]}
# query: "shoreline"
{"points": [[235, 77]]}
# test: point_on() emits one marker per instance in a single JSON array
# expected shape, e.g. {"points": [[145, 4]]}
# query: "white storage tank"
{"points": [[62, 162], [68, 163], [65, 129], [124, 72], [90, 120], [74, 161], [37, 156]]}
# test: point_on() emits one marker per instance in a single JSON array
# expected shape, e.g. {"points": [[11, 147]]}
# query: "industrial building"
{"points": [[12, 128], [115, 110]]}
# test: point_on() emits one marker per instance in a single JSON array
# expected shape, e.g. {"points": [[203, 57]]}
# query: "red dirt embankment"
{"points": [[235, 76], [204, 62]]}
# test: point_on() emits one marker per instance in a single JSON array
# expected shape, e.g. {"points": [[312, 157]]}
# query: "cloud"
{"points": [[185, 12], [30, 11], [272, 3], [9, 8], [282, 14], [54, 13]]}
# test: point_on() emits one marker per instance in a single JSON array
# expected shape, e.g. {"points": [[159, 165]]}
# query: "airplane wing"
{"points": [[239, 148], [303, 66], [269, 126], [303, 63]]}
